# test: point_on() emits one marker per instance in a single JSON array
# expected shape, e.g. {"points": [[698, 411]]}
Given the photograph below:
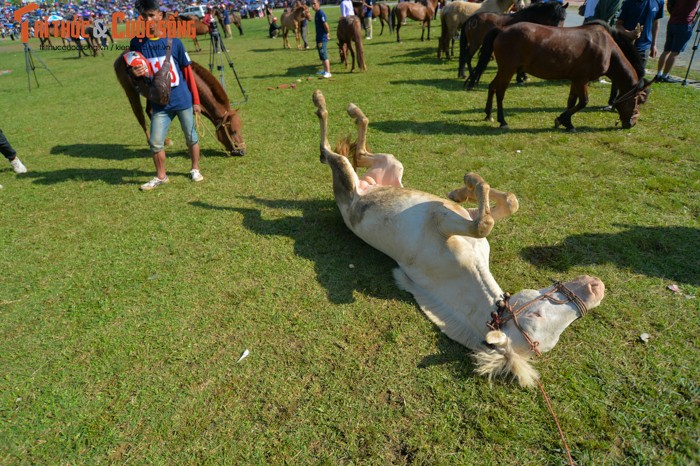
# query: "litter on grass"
{"points": [[243, 356]]}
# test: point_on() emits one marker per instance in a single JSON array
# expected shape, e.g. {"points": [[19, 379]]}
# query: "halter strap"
{"points": [[629, 94], [505, 312]]}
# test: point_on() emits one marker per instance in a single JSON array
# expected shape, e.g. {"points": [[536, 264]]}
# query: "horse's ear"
{"points": [[565, 6]]}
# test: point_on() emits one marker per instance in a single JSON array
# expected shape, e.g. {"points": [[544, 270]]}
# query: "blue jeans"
{"points": [[160, 122]]}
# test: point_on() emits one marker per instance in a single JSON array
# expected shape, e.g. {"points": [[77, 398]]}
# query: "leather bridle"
{"points": [[505, 312]]}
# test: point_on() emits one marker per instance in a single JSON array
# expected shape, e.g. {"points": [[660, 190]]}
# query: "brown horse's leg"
{"points": [[489, 101], [578, 91], [134, 99]]}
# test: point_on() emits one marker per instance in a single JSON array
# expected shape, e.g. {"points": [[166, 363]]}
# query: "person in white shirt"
{"points": [[346, 8]]}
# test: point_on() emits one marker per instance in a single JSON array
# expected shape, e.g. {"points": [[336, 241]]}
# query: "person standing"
{"points": [[678, 33], [606, 10], [323, 35], [11, 155], [639, 21], [368, 18], [227, 21], [184, 97], [304, 24]]}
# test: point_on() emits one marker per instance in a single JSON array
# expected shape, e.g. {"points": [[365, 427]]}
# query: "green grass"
{"points": [[123, 314]]}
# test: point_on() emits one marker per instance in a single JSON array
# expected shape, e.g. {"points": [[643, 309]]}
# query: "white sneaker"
{"points": [[154, 183], [18, 166], [320, 72], [195, 175], [327, 75]]}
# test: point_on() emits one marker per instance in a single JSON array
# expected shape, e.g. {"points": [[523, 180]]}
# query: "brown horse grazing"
{"points": [[214, 102], [579, 54], [291, 21], [477, 26], [235, 18], [415, 11], [200, 29], [349, 30]]}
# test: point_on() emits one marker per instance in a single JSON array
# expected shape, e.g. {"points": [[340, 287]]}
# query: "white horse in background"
{"points": [[443, 257], [455, 14]]}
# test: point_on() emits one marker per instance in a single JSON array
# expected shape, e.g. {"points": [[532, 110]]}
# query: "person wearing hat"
{"points": [[183, 102], [274, 28]]}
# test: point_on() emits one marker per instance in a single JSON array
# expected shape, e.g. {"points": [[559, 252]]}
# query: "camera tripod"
{"points": [[217, 52], [29, 66], [696, 43]]}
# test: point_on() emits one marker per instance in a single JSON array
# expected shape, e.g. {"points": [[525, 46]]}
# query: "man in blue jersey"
{"points": [[639, 21], [184, 98], [323, 34]]}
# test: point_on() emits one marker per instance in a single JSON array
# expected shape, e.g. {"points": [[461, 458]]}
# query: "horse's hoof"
{"points": [[504, 126], [557, 123], [489, 119], [571, 130]]}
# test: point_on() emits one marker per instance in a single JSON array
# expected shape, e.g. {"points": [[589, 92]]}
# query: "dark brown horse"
{"points": [[200, 29], [379, 10], [234, 17], [382, 11], [214, 102], [349, 31], [415, 11], [477, 26], [580, 55], [291, 21]]}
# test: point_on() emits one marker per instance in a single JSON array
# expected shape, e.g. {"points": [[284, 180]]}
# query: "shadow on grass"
{"points": [[123, 152], [670, 253], [109, 176], [295, 71], [320, 236], [444, 84], [480, 128]]}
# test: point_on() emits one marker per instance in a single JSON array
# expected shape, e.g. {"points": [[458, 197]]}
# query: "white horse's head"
{"points": [[531, 323]]}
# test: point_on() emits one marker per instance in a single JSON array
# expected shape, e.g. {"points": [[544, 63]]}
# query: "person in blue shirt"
{"points": [[184, 97], [368, 18], [639, 21], [323, 35]]}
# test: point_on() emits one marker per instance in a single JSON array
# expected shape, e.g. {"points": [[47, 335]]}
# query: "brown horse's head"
{"points": [[627, 105], [230, 133]]}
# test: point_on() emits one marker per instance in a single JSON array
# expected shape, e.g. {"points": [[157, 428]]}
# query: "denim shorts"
{"points": [[677, 37], [160, 122], [322, 50]]}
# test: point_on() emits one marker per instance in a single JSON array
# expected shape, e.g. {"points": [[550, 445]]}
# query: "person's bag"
{"points": [[159, 91]]}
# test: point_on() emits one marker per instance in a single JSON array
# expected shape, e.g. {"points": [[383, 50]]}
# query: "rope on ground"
{"points": [[561, 432]]}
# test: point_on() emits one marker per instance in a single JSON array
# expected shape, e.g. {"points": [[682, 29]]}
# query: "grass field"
{"points": [[123, 314]]}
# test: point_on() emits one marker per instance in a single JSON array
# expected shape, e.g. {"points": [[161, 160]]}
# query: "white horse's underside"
{"points": [[443, 256]]}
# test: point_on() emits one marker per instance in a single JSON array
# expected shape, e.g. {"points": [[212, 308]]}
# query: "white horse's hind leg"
{"points": [[506, 203], [451, 221], [383, 169]]}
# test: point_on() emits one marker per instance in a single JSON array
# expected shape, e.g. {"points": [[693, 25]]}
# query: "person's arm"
{"points": [[192, 86], [631, 35], [654, 32]]}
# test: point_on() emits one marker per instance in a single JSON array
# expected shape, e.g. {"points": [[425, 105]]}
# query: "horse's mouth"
{"points": [[237, 152]]}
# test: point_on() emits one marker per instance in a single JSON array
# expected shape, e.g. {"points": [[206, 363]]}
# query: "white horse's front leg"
{"points": [[506, 203], [451, 221]]}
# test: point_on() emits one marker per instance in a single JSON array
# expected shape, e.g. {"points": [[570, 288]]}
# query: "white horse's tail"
{"points": [[502, 360]]}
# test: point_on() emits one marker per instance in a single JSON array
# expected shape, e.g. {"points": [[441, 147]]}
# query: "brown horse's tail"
{"points": [[392, 24], [388, 11], [463, 47], [484, 58]]}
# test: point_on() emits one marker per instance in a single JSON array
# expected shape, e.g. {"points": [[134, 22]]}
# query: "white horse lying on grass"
{"points": [[443, 257]]}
